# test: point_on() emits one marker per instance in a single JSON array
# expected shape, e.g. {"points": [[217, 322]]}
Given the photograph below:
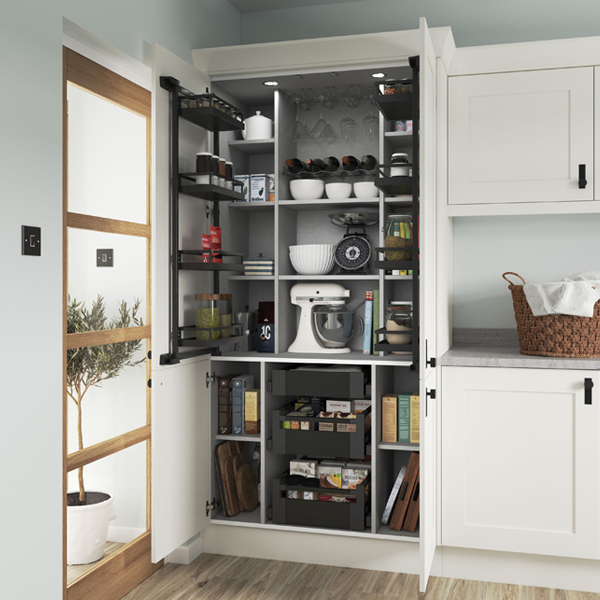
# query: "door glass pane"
{"points": [[107, 158], [115, 405], [122, 476], [124, 281]]}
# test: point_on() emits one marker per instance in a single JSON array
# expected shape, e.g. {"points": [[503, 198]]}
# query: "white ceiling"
{"points": [[258, 5]]}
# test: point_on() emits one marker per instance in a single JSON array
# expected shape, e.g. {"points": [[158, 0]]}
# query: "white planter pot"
{"points": [[87, 527]]}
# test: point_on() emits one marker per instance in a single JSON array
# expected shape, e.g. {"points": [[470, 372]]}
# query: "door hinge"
{"points": [[588, 384], [210, 379], [212, 505], [149, 354], [149, 383]]}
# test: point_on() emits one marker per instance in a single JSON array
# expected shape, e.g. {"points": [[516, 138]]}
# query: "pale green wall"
{"points": [[31, 288], [473, 22]]}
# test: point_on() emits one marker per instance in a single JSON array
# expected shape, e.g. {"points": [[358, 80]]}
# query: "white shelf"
{"points": [[400, 139], [252, 278], [388, 532], [254, 146], [399, 201], [238, 438], [255, 206], [329, 277], [393, 277], [326, 203], [356, 357], [406, 446]]}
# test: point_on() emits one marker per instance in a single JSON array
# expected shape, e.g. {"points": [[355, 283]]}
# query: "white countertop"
{"points": [[490, 356]]}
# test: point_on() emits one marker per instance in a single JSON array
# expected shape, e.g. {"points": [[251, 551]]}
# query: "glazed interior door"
{"points": [[428, 316], [107, 329], [181, 399]]}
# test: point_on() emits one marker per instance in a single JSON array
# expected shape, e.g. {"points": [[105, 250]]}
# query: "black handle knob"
{"points": [[582, 179], [588, 384]]}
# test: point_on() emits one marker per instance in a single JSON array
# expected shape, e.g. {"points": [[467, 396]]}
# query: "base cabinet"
{"points": [[521, 460]]}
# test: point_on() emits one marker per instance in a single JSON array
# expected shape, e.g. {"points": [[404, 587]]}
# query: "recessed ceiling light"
{"points": [[271, 83], [378, 75]]}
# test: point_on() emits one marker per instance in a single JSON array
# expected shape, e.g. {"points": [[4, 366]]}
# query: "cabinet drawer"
{"points": [[325, 444], [319, 382], [316, 513]]}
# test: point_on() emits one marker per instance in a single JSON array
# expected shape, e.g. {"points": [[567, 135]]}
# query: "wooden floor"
{"points": [[74, 571], [215, 577]]}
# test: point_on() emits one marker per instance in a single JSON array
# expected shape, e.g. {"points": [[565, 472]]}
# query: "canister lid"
{"points": [[204, 154]]}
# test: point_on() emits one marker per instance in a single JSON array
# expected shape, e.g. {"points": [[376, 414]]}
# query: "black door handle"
{"points": [[588, 384], [582, 179]]}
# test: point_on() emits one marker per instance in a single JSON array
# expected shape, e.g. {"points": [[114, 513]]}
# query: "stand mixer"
{"points": [[327, 323]]}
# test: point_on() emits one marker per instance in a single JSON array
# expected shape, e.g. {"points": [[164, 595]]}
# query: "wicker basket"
{"points": [[554, 335]]}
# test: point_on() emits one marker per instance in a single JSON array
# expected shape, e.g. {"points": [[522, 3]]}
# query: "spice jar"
{"points": [[229, 175], [224, 306], [399, 318], [204, 166], [207, 316], [405, 86], [214, 169], [400, 164], [390, 86], [222, 171], [398, 234], [206, 100]]}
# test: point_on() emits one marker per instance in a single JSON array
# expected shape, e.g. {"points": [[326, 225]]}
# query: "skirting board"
{"points": [[187, 553]]}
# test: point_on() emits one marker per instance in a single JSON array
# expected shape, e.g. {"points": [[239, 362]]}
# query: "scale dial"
{"points": [[352, 252]]}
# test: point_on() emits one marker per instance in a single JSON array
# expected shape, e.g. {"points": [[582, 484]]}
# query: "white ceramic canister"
{"points": [[400, 164], [258, 127]]}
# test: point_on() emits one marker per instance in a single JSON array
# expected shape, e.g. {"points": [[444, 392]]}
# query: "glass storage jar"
{"points": [[398, 234], [400, 164], [399, 318], [224, 306], [207, 316]]}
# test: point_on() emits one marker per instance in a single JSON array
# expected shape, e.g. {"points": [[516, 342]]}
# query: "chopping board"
{"points": [[247, 487]]}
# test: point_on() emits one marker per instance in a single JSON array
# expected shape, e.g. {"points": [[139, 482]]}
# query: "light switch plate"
{"points": [[31, 241], [104, 257]]}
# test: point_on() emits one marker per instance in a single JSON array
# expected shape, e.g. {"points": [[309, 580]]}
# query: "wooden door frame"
{"points": [[127, 567]]}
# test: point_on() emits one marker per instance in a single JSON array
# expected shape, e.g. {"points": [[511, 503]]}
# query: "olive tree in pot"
{"points": [[90, 512]]}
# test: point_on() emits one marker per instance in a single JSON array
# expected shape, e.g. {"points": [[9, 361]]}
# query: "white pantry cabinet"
{"points": [[522, 137], [521, 460]]}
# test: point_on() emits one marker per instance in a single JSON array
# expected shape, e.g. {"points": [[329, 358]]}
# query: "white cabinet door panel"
{"points": [[521, 461], [520, 137]]}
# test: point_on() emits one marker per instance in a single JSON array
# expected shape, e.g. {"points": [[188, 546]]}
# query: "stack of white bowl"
{"points": [[312, 259]]}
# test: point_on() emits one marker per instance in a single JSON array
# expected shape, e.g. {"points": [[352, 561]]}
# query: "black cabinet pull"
{"points": [[582, 179], [588, 384]]}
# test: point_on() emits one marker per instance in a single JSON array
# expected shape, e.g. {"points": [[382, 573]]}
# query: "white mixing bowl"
{"points": [[307, 189], [365, 189], [338, 190], [312, 259]]}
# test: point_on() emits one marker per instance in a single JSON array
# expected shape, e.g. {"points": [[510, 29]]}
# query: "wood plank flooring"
{"points": [[216, 577]]}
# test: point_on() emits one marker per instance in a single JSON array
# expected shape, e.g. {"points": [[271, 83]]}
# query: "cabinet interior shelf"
{"points": [[254, 146], [399, 139], [210, 118], [396, 107], [252, 278], [193, 343], [395, 186], [238, 438], [326, 203], [211, 267], [252, 206], [207, 191], [347, 277], [401, 446]]}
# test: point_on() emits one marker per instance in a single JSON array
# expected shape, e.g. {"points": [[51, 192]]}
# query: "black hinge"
{"points": [[149, 354], [149, 383], [210, 379], [211, 505], [582, 180]]}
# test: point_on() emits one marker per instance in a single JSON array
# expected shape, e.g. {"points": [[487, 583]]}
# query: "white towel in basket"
{"points": [[575, 295]]}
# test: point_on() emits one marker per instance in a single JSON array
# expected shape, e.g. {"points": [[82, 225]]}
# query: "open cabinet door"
{"points": [[181, 399], [427, 164]]}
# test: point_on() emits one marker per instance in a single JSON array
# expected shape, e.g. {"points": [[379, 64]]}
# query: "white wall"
{"points": [[31, 289], [539, 248]]}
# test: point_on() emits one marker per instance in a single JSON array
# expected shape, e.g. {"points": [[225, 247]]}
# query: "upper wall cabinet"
{"points": [[524, 137]]}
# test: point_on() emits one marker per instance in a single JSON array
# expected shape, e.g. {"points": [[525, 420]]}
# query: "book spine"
{"points": [[415, 419], [403, 418], [224, 405], [252, 413], [389, 418], [376, 320], [368, 323], [237, 407]]}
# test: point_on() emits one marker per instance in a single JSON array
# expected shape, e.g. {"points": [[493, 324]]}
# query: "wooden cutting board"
{"points": [[224, 458], [406, 491], [412, 515], [247, 487]]}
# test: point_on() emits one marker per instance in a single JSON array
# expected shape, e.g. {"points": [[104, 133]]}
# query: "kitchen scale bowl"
{"points": [[354, 219], [335, 326]]}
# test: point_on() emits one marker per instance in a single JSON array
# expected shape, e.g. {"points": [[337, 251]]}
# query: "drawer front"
{"points": [[318, 383]]}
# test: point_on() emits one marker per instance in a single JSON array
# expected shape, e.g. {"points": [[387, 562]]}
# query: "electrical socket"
{"points": [[31, 241], [104, 257]]}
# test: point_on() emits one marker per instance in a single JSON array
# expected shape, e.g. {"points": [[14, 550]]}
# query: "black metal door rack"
{"points": [[188, 106], [404, 107]]}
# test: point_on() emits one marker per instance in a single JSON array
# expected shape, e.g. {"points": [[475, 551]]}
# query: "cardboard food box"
{"points": [[354, 475], [343, 406], [330, 476], [389, 418], [245, 181], [326, 426], [306, 468], [346, 427], [307, 426], [259, 188], [252, 413]]}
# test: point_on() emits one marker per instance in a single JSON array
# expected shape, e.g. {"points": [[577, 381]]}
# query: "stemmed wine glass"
{"points": [[371, 121], [299, 130], [348, 126], [322, 129]]}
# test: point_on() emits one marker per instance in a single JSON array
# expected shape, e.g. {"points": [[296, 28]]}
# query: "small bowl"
{"points": [[338, 190], [365, 189], [307, 189], [312, 259]]}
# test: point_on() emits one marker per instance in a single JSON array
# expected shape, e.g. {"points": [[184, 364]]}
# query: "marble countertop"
{"points": [[493, 356]]}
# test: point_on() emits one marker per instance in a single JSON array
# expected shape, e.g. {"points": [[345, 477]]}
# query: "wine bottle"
{"points": [[295, 165], [332, 163], [368, 162], [350, 163], [316, 164]]}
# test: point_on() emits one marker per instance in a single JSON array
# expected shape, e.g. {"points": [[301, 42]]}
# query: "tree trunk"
{"points": [[80, 440]]}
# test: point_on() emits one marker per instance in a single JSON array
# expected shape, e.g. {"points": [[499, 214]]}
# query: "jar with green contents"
{"points": [[224, 306], [398, 234], [207, 315]]}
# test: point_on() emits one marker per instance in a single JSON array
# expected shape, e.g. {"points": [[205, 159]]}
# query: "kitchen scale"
{"points": [[353, 251]]}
